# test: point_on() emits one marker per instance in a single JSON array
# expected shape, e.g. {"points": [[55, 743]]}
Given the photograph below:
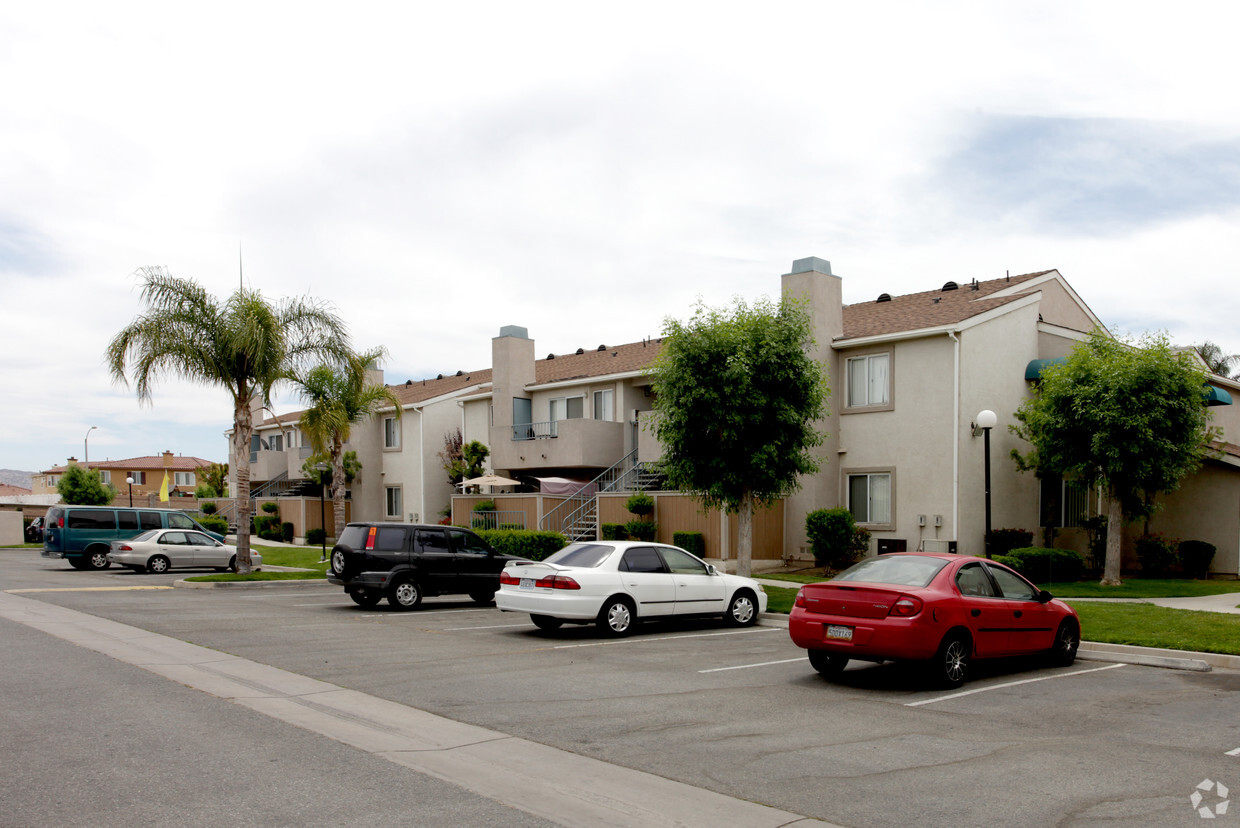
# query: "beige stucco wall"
{"points": [[1206, 507], [1059, 308]]}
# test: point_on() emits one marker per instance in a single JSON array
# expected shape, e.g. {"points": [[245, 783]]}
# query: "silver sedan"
{"points": [[158, 550]]}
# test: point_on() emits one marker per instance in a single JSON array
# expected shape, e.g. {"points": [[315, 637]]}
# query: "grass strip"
{"points": [[1145, 625]]}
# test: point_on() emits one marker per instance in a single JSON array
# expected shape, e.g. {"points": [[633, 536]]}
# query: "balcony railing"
{"points": [[535, 431]]}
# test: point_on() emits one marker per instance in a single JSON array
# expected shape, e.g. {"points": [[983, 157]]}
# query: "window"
{"points": [[151, 520], [432, 541], [179, 520], [972, 580], [183, 479], [391, 495], [79, 519], [567, 408], [682, 563], [869, 497], [290, 438], [604, 405], [642, 559], [1065, 503], [139, 477], [869, 380], [391, 438], [467, 543], [1012, 586], [127, 520], [276, 442], [105, 476]]}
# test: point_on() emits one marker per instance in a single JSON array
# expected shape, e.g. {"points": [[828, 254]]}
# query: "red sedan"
{"points": [[945, 610]]}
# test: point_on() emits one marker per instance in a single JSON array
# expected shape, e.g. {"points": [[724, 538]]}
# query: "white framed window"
{"points": [[276, 442], [605, 405], [870, 497], [290, 438], [184, 479], [1066, 503], [139, 477], [105, 476], [567, 408], [393, 507], [391, 433], [869, 380]]}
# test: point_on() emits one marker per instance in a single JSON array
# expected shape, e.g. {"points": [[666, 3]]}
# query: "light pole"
{"points": [[986, 420], [322, 470], [129, 480], [86, 447]]}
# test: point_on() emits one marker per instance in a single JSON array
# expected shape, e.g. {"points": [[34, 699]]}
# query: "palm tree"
{"points": [[1224, 365], [339, 396], [244, 344]]}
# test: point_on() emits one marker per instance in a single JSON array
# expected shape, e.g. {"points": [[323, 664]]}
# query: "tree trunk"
{"points": [[243, 430], [337, 488], [744, 531], [1115, 529]]}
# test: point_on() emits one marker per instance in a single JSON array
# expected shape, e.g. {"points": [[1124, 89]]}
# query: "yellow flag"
{"points": [[163, 490]]}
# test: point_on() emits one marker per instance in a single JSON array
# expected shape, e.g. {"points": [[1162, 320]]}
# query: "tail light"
{"points": [[906, 606], [557, 582], [800, 599], [124, 547], [506, 578]]}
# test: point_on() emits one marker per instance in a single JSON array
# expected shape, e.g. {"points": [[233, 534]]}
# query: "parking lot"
{"points": [[739, 712]]}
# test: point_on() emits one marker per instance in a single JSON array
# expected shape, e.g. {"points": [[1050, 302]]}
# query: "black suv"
{"points": [[407, 561]]}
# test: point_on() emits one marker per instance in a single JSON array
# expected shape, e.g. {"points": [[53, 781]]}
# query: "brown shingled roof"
{"points": [[149, 462], [621, 359], [915, 311]]}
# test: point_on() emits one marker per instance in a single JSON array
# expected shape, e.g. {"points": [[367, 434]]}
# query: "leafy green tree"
{"points": [[1130, 418], [1224, 365], [216, 476], [310, 471], [339, 396], [244, 344], [462, 460], [83, 487], [738, 396]]}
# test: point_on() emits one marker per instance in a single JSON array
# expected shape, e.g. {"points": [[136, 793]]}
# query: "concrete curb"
{"points": [[248, 584]]}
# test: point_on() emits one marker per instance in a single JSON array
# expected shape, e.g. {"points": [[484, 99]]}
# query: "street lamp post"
{"points": [[322, 470], [986, 420], [129, 480], [86, 447]]}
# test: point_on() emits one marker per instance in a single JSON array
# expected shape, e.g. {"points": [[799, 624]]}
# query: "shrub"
{"points": [[271, 508], [205, 490], [833, 537], [1008, 560], [484, 506], [640, 504], [1195, 556], [1003, 541], [209, 508], [286, 532], [524, 543], [316, 537], [1042, 565], [642, 530], [216, 523], [694, 542], [1157, 554], [614, 531]]}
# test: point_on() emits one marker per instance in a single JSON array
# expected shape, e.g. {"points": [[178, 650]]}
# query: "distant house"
{"points": [[908, 376], [147, 473]]}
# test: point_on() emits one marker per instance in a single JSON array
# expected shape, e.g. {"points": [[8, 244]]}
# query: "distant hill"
{"points": [[12, 477]]}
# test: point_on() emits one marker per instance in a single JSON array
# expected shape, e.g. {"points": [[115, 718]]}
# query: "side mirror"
{"points": [[710, 569], [1044, 597]]}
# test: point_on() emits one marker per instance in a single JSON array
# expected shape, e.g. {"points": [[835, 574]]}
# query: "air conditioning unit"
{"points": [[936, 545]]}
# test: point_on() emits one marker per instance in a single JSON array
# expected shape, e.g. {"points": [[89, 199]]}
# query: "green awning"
{"points": [[1033, 371], [1217, 396]]}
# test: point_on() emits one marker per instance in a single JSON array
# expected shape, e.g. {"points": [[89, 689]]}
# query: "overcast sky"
{"points": [[439, 170]]}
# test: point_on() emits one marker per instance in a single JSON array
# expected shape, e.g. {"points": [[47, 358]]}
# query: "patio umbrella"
{"points": [[489, 480]]}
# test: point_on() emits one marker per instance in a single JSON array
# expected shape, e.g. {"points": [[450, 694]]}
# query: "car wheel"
{"points": [[743, 611], [483, 597], [96, 559], [546, 622], [405, 594], [158, 564], [950, 666], [365, 597], [616, 617], [339, 562], [827, 664], [1067, 639], [232, 564]]}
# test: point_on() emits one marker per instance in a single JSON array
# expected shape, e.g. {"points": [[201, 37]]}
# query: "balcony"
{"points": [[560, 444]]}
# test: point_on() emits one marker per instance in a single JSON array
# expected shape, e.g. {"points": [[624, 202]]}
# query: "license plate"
{"points": [[526, 583], [840, 633]]}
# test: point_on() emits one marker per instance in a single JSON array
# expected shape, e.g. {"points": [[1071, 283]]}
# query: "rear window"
{"points": [[894, 569], [582, 554], [353, 537], [81, 519], [146, 536]]}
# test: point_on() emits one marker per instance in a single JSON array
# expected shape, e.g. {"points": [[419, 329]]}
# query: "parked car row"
{"points": [[158, 550]]}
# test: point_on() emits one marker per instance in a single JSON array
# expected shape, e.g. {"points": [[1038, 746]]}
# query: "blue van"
{"points": [[83, 535]]}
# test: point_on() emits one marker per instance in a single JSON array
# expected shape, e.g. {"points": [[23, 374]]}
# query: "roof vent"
{"points": [[884, 297], [439, 377], [581, 350], [950, 286], [601, 348], [936, 299], [408, 383], [460, 373], [550, 356]]}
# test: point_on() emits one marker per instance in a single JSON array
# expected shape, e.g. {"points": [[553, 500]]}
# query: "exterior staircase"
{"points": [[577, 517]]}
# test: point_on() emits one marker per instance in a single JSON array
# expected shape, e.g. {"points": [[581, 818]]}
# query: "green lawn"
{"points": [[1146, 625], [1143, 588]]}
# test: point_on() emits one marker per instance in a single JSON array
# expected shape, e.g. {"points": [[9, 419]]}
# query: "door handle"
{"points": [[1018, 613], [975, 613]]}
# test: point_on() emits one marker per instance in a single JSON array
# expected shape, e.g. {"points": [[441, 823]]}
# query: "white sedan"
{"points": [[618, 583], [158, 550]]}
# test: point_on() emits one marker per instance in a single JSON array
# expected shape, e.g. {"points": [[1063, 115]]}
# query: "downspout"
{"points": [[421, 465], [956, 440]]}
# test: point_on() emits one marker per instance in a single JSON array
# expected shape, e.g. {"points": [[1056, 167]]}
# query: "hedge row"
{"points": [[523, 543]]}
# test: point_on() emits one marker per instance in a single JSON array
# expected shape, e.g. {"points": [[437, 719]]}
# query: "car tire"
{"points": [[340, 563], [483, 597], [950, 666], [742, 610], [1067, 640], [96, 559], [158, 564], [405, 594], [827, 664], [616, 618], [546, 622], [79, 562], [365, 597], [232, 564]]}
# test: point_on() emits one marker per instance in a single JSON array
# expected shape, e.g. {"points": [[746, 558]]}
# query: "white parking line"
{"points": [[747, 666], [491, 627], [1011, 684], [665, 638], [1235, 752], [418, 613]]}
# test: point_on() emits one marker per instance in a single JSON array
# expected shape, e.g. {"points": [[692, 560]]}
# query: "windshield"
{"points": [[147, 535], [899, 570], [582, 554]]}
